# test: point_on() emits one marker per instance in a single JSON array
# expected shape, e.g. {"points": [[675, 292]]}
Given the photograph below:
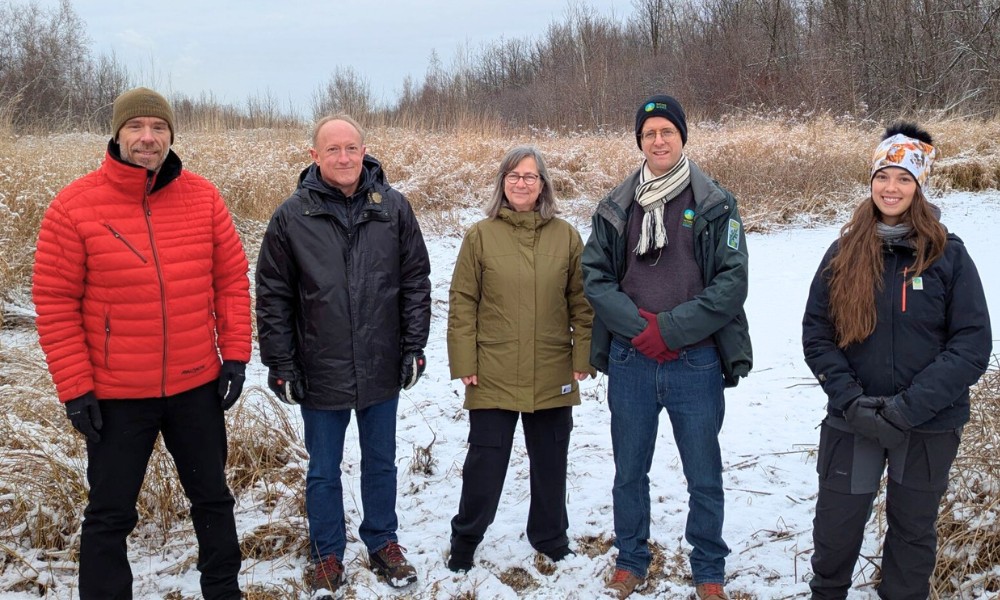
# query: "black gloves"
{"points": [[288, 387], [231, 379], [412, 368], [85, 415], [865, 416], [893, 412]]}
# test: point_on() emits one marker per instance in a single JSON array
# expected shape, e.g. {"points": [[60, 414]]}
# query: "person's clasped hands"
{"points": [[878, 418], [650, 341]]}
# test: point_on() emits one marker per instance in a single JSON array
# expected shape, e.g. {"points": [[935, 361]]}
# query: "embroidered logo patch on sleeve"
{"points": [[733, 240]]}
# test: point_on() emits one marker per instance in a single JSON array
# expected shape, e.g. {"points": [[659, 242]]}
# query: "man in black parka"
{"points": [[343, 314]]}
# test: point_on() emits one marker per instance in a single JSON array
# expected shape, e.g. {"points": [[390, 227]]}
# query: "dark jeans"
{"points": [[849, 469], [325, 431], [194, 432], [691, 390], [491, 437]]}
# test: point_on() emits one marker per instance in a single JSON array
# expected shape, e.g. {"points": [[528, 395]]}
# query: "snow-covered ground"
{"points": [[768, 440]]}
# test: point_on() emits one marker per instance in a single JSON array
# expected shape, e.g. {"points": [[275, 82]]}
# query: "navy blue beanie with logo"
{"points": [[661, 106]]}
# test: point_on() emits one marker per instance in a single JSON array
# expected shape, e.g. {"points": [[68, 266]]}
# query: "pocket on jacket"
{"points": [[107, 338], [210, 324], [496, 359]]}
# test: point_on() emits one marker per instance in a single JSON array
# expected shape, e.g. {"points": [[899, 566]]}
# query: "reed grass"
{"points": [[785, 171]]}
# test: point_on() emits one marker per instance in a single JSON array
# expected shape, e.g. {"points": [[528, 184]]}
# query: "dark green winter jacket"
{"points": [[716, 313]]}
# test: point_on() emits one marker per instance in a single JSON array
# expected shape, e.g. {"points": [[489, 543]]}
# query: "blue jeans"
{"points": [[324, 437], [691, 389]]}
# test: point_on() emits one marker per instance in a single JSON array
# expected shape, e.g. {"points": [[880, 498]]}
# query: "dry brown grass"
{"points": [[969, 520], [968, 531], [782, 168], [43, 480]]}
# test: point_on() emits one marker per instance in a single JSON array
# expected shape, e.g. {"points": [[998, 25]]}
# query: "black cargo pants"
{"points": [[850, 469], [491, 437]]}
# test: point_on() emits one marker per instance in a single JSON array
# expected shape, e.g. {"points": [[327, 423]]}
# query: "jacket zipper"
{"points": [[159, 275], [107, 340], [905, 270], [125, 241]]}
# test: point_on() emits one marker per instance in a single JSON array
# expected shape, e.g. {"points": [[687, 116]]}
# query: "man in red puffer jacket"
{"points": [[143, 302]]}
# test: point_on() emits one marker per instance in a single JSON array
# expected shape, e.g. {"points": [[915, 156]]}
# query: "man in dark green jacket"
{"points": [[665, 270]]}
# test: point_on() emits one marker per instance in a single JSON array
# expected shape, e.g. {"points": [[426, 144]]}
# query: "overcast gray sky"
{"points": [[290, 48]]}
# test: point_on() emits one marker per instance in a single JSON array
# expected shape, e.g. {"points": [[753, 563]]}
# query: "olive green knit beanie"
{"points": [[140, 102]]}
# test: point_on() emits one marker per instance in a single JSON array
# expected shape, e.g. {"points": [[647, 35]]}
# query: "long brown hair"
{"points": [[856, 269]]}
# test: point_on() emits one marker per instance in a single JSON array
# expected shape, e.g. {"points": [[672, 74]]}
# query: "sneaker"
{"points": [[623, 583], [391, 566], [325, 578], [710, 591], [559, 553]]}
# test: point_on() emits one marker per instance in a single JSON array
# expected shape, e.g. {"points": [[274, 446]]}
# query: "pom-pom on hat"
{"points": [[661, 106], [908, 147], [140, 102]]}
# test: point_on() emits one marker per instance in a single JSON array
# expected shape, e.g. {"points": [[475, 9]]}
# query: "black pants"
{"points": [[491, 436], [194, 432], [849, 471]]}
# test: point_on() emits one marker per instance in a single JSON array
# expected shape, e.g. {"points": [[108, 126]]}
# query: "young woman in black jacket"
{"points": [[896, 330]]}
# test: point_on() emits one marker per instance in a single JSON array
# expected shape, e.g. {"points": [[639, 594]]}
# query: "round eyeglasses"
{"points": [[513, 178], [666, 134]]}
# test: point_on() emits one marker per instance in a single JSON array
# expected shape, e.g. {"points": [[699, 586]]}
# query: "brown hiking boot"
{"points": [[710, 591], [391, 566], [325, 578], [623, 583]]}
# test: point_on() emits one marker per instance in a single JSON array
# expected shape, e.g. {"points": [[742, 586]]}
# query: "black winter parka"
{"points": [[343, 289], [932, 338]]}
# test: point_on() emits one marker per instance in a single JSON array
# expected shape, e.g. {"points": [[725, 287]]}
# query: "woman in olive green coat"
{"points": [[519, 339]]}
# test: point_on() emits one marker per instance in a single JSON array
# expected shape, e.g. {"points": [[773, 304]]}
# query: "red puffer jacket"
{"points": [[138, 291]]}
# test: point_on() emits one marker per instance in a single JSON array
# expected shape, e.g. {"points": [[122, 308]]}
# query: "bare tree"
{"points": [[347, 91]]}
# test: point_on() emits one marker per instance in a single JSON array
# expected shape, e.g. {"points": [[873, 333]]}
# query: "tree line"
{"points": [[868, 58]]}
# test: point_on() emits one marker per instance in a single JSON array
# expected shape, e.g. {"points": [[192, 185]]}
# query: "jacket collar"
{"points": [[528, 219], [615, 207], [126, 174], [371, 174], [317, 193]]}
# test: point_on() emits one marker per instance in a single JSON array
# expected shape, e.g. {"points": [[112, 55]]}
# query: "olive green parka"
{"points": [[518, 318]]}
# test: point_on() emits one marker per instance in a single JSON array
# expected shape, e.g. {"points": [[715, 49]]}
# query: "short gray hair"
{"points": [[546, 204], [337, 117]]}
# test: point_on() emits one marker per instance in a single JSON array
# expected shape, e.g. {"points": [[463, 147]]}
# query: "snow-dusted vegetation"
{"points": [[794, 177]]}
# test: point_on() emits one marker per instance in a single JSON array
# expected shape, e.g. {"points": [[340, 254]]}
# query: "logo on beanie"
{"points": [[649, 107]]}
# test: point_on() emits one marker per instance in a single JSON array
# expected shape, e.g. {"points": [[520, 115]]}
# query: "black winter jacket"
{"points": [[932, 338], [343, 289]]}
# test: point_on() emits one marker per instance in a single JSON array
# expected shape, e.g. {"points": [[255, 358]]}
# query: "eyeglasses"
{"points": [[666, 134], [513, 178]]}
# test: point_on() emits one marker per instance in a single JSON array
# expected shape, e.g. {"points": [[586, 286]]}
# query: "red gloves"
{"points": [[650, 342]]}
